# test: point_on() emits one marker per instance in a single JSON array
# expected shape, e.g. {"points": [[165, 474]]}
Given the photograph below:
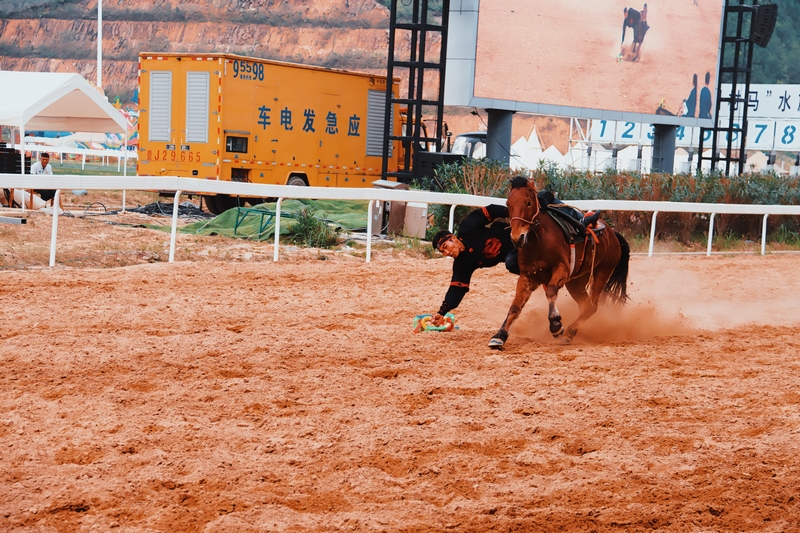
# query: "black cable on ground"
{"points": [[185, 210]]}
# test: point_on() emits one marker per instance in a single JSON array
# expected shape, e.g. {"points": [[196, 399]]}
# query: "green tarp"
{"points": [[258, 223]]}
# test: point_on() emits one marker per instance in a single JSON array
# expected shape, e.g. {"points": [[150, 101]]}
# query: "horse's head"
{"points": [[523, 207]]}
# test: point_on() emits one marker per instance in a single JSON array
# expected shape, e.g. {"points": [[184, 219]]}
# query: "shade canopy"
{"points": [[56, 101]]}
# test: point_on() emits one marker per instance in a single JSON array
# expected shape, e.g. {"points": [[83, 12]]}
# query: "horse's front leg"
{"points": [[525, 286], [557, 280]]}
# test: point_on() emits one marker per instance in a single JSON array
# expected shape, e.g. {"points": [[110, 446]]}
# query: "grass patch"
{"points": [[730, 242], [355, 244], [787, 237], [414, 247], [76, 168], [310, 231]]}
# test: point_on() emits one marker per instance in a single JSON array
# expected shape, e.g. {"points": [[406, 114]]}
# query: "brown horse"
{"points": [[595, 267]]}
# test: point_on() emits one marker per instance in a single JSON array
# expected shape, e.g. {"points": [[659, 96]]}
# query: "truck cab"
{"points": [[471, 144]]}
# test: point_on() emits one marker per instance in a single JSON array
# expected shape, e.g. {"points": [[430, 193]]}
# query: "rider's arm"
{"points": [[459, 286]]}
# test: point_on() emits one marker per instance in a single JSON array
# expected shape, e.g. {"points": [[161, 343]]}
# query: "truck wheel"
{"points": [[224, 202], [297, 181], [258, 201], [211, 204]]}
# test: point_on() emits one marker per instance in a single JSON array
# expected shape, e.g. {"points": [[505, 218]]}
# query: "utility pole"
{"points": [[100, 44]]}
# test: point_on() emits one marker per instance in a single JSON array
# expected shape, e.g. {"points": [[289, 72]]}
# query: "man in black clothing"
{"points": [[637, 21], [483, 241], [705, 99]]}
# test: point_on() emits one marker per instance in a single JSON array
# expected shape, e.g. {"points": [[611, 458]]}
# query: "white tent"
{"points": [[757, 162], [602, 160], [55, 101], [628, 159], [526, 153], [519, 155], [681, 162], [551, 154]]}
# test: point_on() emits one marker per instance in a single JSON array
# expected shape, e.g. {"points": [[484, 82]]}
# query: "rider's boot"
{"points": [[591, 219]]}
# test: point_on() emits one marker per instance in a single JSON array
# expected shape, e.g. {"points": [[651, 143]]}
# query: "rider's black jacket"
{"points": [[487, 242]]}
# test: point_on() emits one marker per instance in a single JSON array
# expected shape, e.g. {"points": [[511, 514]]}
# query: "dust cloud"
{"points": [[669, 296]]}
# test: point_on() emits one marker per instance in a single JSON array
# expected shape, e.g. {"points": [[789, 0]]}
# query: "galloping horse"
{"points": [[589, 269]]}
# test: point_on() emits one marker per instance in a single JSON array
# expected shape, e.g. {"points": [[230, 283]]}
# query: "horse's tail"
{"points": [[617, 284]]}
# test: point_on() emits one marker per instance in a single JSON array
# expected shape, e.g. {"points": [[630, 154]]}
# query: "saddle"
{"points": [[569, 219]]}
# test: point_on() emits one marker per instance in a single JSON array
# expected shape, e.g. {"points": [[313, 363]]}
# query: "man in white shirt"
{"points": [[42, 167]]}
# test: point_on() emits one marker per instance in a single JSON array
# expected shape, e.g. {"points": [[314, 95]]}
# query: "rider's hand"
{"points": [[437, 319]]}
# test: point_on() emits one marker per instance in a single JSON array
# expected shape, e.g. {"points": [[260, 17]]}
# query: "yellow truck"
{"points": [[235, 118]]}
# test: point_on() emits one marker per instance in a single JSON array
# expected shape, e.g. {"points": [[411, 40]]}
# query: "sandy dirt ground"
{"points": [[225, 392], [565, 53]]}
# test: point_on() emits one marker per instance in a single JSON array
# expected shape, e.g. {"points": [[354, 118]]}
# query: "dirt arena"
{"points": [[228, 393]]}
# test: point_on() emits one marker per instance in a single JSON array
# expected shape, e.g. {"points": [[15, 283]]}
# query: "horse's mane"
{"points": [[517, 182]]}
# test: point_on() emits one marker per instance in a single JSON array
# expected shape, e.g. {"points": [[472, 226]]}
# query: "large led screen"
{"points": [[653, 62]]}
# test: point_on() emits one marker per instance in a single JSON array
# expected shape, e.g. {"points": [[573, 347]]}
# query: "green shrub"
{"points": [[481, 177], [313, 232], [787, 236], [709, 187], [490, 178]]}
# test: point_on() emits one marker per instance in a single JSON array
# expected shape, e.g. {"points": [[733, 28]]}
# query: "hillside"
{"points": [[334, 33], [46, 36]]}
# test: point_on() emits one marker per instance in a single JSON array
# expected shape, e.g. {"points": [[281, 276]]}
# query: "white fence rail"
{"points": [[83, 152], [373, 196]]}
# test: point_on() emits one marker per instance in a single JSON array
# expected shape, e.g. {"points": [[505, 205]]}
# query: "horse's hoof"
{"points": [[496, 344], [565, 340], [558, 333]]}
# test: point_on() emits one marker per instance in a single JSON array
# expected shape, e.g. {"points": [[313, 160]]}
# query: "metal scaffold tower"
{"points": [[415, 29], [743, 25]]}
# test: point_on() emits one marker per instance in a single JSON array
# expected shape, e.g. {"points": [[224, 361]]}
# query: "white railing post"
{"points": [[652, 234], [369, 230], [124, 167], [22, 157], [710, 233], [174, 227], [452, 214], [54, 230], [764, 235], [277, 229]]}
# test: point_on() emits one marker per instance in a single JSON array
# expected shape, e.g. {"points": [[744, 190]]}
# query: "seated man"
{"points": [[42, 167]]}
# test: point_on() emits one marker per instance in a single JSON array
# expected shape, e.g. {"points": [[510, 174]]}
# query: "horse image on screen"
{"points": [[616, 59]]}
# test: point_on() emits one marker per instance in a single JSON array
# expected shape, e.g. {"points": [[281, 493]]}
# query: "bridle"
{"points": [[532, 221]]}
